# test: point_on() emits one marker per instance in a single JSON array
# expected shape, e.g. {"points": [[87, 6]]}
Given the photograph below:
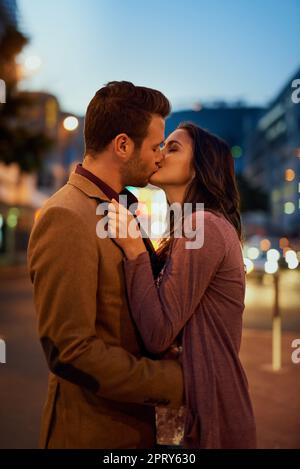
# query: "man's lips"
{"points": [[157, 169]]}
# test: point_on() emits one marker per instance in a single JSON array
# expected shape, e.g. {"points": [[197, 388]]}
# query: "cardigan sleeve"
{"points": [[160, 313]]}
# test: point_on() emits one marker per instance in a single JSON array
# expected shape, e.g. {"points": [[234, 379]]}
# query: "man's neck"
{"points": [[104, 171]]}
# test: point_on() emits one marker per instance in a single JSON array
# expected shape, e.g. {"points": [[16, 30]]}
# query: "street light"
{"points": [[70, 123], [32, 63]]}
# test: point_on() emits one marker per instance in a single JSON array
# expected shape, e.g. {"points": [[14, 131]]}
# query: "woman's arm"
{"points": [[161, 313]]}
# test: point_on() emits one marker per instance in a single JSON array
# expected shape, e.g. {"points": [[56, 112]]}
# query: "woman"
{"points": [[200, 296]]}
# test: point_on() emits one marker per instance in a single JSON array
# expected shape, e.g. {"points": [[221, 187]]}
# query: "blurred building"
{"points": [[22, 194], [8, 14], [273, 160], [43, 116], [46, 116], [233, 123]]}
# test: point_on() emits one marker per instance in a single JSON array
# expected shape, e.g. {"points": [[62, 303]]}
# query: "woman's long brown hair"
{"points": [[214, 183]]}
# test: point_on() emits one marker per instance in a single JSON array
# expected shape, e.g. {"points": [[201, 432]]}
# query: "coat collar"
{"points": [[87, 186], [93, 190]]}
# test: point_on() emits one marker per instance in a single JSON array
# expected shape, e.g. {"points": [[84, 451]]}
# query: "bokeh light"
{"points": [[289, 208], [248, 264], [253, 252], [70, 123], [265, 244], [289, 174], [273, 255], [271, 267]]}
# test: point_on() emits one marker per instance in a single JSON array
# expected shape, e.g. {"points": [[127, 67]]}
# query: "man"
{"points": [[102, 388]]}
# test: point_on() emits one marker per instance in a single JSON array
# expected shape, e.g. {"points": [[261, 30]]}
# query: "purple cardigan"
{"points": [[202, 292]]}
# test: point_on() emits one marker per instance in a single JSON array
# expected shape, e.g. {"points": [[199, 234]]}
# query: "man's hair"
{"points": [[121, 107]]}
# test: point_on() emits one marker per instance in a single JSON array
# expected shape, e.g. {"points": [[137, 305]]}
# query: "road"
{"points": [[23, 379]]}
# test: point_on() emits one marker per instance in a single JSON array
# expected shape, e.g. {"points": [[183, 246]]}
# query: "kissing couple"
{"points": [[140, 342]]}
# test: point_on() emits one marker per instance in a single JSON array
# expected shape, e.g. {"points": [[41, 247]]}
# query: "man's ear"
{"points": [[123, 146]]}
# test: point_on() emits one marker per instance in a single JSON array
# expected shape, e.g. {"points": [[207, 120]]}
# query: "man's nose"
{"points": [[160, 156]]}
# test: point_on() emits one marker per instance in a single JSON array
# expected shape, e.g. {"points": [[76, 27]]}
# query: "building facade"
{"points": [[273, 160]]}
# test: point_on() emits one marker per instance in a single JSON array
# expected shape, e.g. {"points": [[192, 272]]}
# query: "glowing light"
{"points": [[155, 243], [12, 220], [32, 63], [236, 151], [290, 255], [253, 253], [289, 208], [70, 123], [273, 255], [271, 267], [133, 190], [283, 242], [249, 265], [159, 197], [289, 174], [293, 263], [265, 244], [12, 217], [1, 221]]}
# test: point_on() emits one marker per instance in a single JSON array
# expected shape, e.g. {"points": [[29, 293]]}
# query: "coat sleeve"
{"points": [[63, 265], [160, 313]]}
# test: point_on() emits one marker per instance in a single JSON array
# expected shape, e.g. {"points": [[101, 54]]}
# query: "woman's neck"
{"points": [[175, 194]]}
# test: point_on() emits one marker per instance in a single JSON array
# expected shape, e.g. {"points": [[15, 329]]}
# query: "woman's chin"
{"points": [[155, 180]]}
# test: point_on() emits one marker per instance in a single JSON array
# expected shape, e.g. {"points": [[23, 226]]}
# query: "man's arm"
{"points": [[63, 265]]}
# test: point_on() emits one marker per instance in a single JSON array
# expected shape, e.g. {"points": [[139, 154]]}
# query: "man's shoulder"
{"points": [[70, 200]]}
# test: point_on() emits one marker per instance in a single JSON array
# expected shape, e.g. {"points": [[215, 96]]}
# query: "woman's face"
{"points": [[177, 163]]}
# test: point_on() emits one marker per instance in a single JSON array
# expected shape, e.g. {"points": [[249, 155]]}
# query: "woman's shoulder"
{"points": [[212, 227], [206, 219]]}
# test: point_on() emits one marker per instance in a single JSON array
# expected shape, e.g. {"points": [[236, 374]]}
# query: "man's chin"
{"points": [[140, 184]]}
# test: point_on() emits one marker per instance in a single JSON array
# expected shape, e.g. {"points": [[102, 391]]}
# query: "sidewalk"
{"points": [[275, 395]]}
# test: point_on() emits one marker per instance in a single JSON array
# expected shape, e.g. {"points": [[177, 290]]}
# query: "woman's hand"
{"points": [[124, 230], [173, 353]]}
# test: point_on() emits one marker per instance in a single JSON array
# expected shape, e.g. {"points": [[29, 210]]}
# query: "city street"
{"points": [[276, 396]]}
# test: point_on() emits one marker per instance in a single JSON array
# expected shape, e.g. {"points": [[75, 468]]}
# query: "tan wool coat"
{"points": [[102, 387]]}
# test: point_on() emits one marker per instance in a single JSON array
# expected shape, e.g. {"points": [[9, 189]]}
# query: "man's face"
{"points": [[145, 160]]}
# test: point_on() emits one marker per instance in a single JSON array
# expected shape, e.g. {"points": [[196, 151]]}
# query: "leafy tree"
{"points": [[18, 143]]}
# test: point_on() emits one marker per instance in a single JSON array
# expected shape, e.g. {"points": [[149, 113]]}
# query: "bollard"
{"points": [[2, 351], [276, 327]]}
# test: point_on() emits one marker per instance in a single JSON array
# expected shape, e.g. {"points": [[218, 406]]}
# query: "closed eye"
{"points": [[171, 150]]}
